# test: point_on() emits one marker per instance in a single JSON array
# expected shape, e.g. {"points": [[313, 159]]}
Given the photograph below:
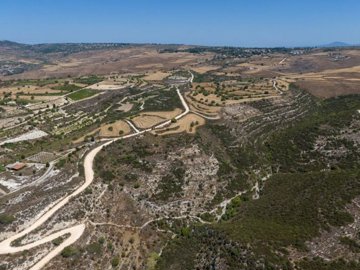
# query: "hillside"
{"points": [[145, 156]]}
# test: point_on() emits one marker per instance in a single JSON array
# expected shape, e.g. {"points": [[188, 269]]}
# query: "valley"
{"points": [[124, 156]]}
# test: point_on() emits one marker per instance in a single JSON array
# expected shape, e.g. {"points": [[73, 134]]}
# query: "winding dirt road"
{"points": [[277, 88], [75, 232]]}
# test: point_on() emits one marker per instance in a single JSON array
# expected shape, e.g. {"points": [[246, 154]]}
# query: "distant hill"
{"points": [[337, 44], [11, 44]]}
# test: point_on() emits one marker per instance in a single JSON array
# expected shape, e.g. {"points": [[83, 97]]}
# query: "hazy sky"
{"points": [[207, 22]]}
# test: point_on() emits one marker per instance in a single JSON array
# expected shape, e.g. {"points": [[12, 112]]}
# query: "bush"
{"points": [[69, 252], [115, 261], [57, 241], [94, 248], [6, 219]]}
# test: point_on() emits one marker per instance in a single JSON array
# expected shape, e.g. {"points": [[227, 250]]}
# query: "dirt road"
{"points": [[75, 231], [277, 88]]}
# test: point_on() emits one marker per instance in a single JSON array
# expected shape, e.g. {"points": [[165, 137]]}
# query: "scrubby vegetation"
{"points": [[6, 219], [81, 94], [93, 79], [306, 195], [163, 100], [67, 87]]}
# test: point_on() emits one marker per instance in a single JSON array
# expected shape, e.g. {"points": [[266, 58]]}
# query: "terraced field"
{"points": [[185, 158]]}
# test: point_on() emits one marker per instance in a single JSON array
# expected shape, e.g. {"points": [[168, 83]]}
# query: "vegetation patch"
{"points": [[70, 251], [81, 94], [303, 197], [6, 219], [67, 87], [89, 80]]}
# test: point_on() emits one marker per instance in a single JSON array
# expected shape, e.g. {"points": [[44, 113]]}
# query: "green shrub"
{"points": [[69, 252], [6, 219], [115, 261]]}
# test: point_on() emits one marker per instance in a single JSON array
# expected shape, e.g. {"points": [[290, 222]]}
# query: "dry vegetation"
{"points": [[150, 119], [157, 76], [222, 187], [188, 124]]}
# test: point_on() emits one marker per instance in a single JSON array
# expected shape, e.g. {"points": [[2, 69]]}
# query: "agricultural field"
{"points": [[122, 156]]}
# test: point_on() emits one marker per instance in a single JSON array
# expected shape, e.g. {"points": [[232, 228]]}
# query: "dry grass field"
{"points": [[204, 69], [29, 89], [245, 126], [188, 124], [323, 74], [211, 111], [120, 60], [207, 97], [38, 98], [156, 76], [150, 119], [330, 82], [114, 129]]}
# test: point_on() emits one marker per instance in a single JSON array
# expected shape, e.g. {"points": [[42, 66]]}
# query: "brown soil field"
{"points": [[317, 61], [204, 69], [150, 66], [208, 99], [183, 125], [150, 119], [39, 98], [329, 88], [157, 76], [107, 86], [104, 131], [330, 82], [206, 85], [103, 62], [116, 128], [244, 95], [211, 111], [31, 89]]}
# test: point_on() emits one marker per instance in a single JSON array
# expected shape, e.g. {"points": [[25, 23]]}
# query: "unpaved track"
{"points": [[75, 231], [132, 126], [282, 61], [277, 88], [187, 110], [206, 117]]}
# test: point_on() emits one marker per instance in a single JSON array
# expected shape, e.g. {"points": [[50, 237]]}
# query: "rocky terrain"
{"points": [[178, 157]]}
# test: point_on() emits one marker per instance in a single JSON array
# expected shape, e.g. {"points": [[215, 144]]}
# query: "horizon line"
{"points": [[341, 44]]}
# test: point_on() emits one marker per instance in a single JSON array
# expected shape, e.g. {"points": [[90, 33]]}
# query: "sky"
{"points": [[245, 23]]}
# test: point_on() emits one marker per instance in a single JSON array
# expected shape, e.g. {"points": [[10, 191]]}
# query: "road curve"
{"points": [[75, 231], [277, 88], [186, 107]]}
